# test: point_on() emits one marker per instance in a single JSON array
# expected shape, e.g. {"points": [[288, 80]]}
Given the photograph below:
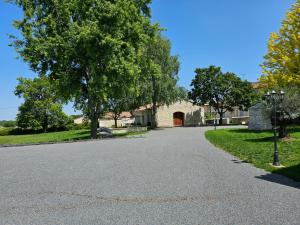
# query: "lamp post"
{"points": [[275, 98], [215, 120]]}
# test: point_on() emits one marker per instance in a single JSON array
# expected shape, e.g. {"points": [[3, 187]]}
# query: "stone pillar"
{"points": [[259, 119]]}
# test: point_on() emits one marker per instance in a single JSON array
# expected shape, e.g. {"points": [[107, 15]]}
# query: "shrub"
{"points": [[5, 131]]}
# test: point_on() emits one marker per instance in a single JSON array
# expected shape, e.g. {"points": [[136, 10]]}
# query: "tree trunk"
{"points": [[116, 122], [94, 113], [283, 131], [153, 117], [94, 124], [221, 118], [45, 128], [45, 124], [154, 106]]}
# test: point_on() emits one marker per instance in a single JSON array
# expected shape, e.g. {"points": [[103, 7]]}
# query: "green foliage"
{"points": [[291, 103], [41, 107], [160, 75], [7, 123], [118, 105], [282, 62], [287, 111], [5, 131], [208, 116], [86, 46], [257, 148], [73, 117], [222, 91], [73, 126]]}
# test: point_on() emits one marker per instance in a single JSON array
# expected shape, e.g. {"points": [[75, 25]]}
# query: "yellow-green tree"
{"points": [[282, 63]]}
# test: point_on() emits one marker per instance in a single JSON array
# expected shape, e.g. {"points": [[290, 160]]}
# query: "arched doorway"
{"points": [[178, 119]]}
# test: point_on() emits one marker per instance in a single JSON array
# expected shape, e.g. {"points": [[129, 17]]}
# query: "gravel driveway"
{"points": [[171, 176]]}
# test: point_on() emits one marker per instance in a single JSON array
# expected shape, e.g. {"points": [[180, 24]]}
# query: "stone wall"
{"points": [[259, 119], [193, 115]]}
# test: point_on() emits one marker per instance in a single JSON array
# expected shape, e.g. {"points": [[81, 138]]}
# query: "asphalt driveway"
{"points": [[171, 176]]}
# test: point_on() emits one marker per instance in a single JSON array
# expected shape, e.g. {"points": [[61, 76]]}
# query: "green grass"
{"points": [[45, 137], [257, 148], [53, 137]]}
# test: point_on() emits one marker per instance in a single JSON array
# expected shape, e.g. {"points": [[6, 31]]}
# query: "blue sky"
{"points": [[232, 34]]}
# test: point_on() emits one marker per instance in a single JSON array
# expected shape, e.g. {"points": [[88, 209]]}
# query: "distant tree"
{"points": [[282, 62], [7, 123], [85, 46], [158, 85], [222, 91], [116, 106], [41, 107]]}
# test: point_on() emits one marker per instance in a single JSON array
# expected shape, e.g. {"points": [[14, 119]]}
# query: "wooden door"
{"points": [[178, 119]]}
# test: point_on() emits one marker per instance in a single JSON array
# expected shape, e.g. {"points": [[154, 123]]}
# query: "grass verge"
{"points": [[257, 148], [53, 137]]}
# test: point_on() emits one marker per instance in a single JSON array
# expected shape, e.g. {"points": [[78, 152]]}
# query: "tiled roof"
{"points": [[123, 115]]}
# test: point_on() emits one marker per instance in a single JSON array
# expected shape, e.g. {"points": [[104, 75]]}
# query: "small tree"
{"points": [[288, 111], [160, 76], [41, 108], [222, 91], [117, 106]]}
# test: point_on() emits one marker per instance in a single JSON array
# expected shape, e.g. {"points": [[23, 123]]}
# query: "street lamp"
{"points": [[275, 98], [215, 120]]}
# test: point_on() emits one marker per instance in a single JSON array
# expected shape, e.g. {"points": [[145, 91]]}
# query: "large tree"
{"points": [[85, 46], [222, 91], [41, 108], [282, 62], [158, 86]]}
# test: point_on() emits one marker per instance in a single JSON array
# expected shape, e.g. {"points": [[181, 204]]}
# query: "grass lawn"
{"points": [[54, 137], [257, 148]]}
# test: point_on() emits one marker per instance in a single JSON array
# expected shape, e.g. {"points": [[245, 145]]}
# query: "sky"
{"points": [[232, 34]]}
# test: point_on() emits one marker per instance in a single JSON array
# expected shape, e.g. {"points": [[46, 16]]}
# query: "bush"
{"points": [[74, 126], [5, 131]]}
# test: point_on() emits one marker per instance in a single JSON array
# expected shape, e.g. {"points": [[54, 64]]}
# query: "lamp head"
{"points": [[268, 94], [282, 95]]}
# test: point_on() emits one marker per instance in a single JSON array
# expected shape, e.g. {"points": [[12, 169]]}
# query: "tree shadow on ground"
{"points": [[158, 128], [84, 132], [291, 129], [292, 172], [246, 131], [239, 161], [264, 139]]}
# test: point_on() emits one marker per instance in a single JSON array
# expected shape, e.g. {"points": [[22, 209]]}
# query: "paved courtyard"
{"points": [[171, 176]]}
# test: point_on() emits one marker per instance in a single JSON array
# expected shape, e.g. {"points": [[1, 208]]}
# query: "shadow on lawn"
{"points": [[291, 130], [264, 139], [84, 132], [245, 131], [293, 172]]}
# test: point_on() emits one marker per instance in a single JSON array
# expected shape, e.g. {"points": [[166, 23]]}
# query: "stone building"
{"points": [[126, 118], [235, 117], [181, 113]]}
